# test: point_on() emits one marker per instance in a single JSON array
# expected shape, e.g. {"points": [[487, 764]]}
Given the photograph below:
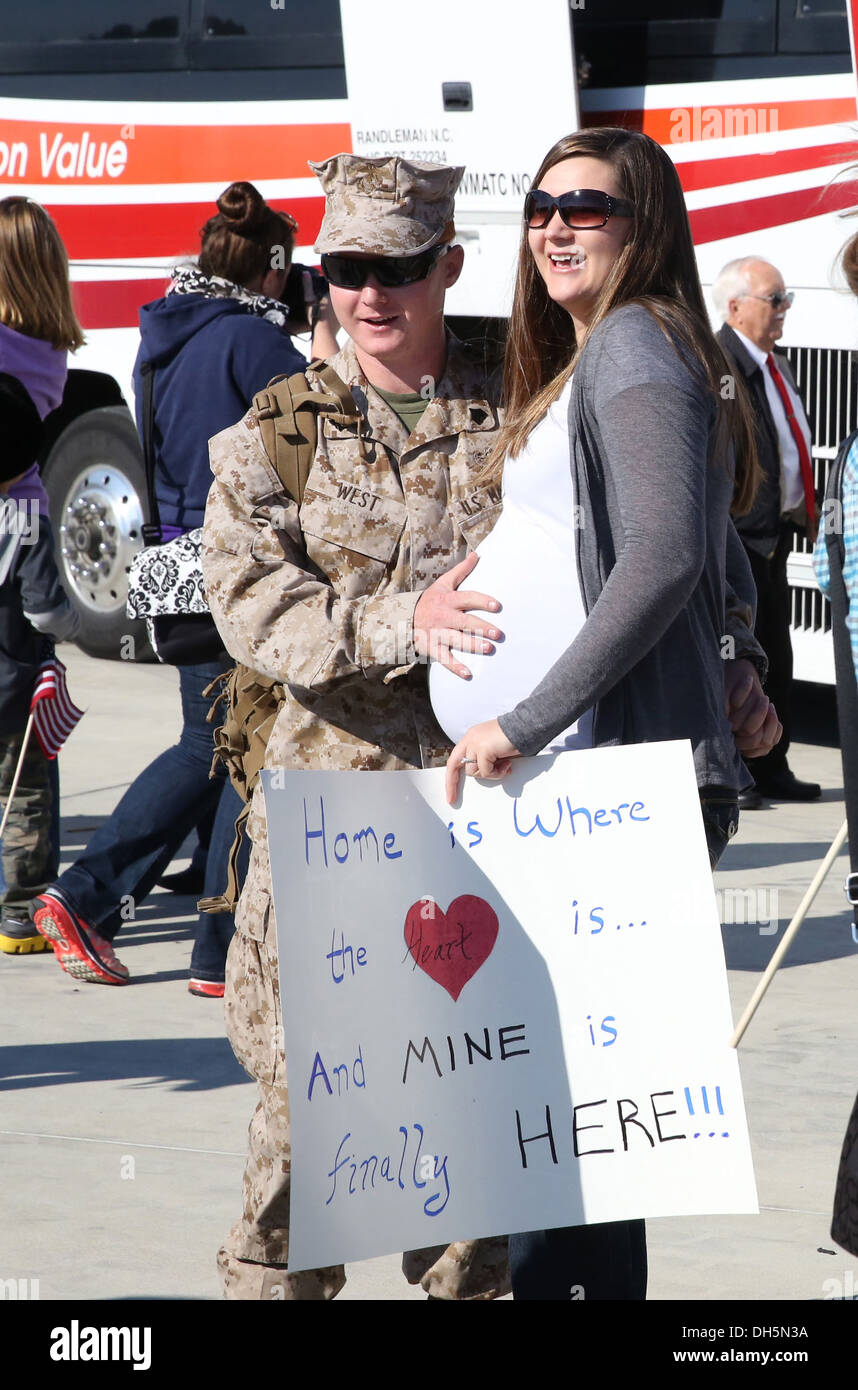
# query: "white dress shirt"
{"points": [[792, 486]]}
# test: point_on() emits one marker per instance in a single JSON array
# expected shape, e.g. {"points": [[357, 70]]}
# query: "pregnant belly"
{"points": [[540, 616]]}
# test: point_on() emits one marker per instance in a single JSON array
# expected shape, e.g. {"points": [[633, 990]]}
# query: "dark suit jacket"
{"points": [[761, 527]]}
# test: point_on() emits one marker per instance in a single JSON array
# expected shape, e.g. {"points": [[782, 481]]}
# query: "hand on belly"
{"points": [[444, 620]]}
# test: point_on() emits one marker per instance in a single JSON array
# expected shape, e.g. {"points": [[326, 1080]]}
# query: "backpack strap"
{"points": [[228, 899], [151, 528], [288, 411], [251, 703], [834, 493], [336, 387], [847, 687]]}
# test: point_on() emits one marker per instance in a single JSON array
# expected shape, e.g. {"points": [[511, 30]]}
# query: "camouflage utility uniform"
{"points": [[324, 598]]}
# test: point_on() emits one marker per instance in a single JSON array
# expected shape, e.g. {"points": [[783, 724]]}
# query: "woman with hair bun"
{"points": [[217, 336], [220, 333]]}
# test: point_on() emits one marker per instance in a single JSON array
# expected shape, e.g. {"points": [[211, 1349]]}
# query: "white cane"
{"points": [[801, 913], [16, 779]]}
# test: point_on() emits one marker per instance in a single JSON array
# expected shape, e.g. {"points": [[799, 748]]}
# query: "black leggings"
{"points": [[607, 1261]]}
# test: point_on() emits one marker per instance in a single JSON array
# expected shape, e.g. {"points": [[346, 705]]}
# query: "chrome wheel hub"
{"points": [[100, 531]]}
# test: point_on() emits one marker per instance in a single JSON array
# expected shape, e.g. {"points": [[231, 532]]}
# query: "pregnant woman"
{"points": [[620, 457], [529, 552]]}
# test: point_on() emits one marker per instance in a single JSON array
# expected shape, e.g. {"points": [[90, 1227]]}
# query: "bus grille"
{"points": [[827, 380]]}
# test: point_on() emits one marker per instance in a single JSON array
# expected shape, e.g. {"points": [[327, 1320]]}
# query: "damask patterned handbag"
{"points": [[165, 580]]}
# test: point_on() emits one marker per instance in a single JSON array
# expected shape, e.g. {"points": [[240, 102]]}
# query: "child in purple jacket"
{"points": [[37, 328]]}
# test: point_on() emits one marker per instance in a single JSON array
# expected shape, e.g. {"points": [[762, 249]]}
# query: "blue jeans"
{"points": [[720, 808], [606, 1261], [130, 851]]}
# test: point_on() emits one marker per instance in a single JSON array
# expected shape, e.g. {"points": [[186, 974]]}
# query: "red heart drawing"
{"points": [[450, 946]]}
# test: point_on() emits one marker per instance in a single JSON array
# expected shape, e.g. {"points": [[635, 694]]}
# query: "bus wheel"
{"points": [[95, 479]]}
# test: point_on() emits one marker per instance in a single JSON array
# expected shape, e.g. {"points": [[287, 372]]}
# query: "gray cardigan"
{"points": [[654, 535]]}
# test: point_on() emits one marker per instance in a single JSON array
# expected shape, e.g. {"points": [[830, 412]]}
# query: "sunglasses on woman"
{"points": [[580, 210], [349, 273]]}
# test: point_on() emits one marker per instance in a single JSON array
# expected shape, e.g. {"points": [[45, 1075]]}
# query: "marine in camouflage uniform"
{"points": [[324, 598]]}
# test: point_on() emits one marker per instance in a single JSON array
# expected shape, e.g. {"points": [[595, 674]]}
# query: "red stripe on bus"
{"points": [[110, 231], [718, 173], [709, 120], [81, 154], [782, 209], [113, 303]]}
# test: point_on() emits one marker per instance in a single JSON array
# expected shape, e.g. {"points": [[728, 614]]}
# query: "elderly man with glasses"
{"points": [[751, 298]]}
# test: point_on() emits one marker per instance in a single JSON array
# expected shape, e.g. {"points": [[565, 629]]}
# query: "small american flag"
{"points": [[54, 715]]}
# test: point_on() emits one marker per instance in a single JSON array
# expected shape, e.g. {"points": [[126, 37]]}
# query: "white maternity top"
{"points": [[529, 564]]}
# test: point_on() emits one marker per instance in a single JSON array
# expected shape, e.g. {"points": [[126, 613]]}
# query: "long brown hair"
{"points": [[237, 243], [656, 269], [35, 295]]}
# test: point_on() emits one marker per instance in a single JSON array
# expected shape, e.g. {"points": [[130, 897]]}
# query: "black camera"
{"points": [[293, 295]]}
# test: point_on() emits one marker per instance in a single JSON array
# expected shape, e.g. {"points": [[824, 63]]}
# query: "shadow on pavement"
{"points": [[186, 1064], [760, 856], [161, 977], [818, 939], [152, 925]]}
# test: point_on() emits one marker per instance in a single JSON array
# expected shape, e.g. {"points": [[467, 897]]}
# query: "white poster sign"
{"points": [[504, 1016]]}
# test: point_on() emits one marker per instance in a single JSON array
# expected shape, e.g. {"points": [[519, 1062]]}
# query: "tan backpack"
{"points": [[287, 413]]}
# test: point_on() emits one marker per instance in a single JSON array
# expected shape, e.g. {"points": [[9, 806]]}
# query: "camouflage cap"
{"points": [[385, 206]]}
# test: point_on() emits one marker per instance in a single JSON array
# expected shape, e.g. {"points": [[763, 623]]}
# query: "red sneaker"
{"points": [[80, 950], [207, 989]]}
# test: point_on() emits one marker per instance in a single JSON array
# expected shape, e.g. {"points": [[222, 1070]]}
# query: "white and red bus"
{"points": [[126, 118]]}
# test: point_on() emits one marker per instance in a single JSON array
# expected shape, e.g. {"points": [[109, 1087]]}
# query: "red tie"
{"points": [[800, 444]]}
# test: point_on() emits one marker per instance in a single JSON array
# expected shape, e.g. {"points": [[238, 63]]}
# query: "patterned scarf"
{"points": [[189, 279]]}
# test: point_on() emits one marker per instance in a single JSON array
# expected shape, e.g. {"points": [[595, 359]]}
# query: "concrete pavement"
{"points": [[123, 1116]]}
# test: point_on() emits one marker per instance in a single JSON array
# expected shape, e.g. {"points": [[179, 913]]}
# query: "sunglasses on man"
{"points": [[349, 273], [581, 210], [776, 299]]}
